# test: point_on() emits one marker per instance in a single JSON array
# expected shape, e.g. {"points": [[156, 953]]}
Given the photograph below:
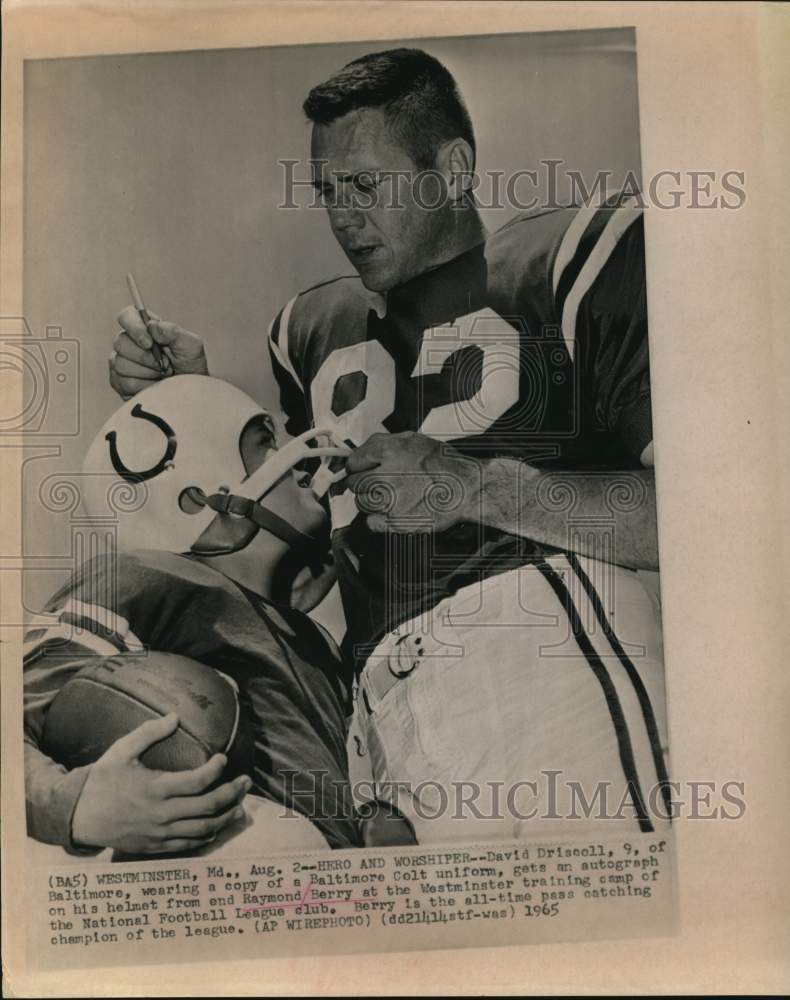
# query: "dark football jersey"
{"points": [[532, 345], [291, 679]]}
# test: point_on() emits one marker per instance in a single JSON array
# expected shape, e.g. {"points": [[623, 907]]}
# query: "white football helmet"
{"points": [[174, 457]]}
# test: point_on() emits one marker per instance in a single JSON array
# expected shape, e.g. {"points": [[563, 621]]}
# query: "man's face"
{"points": [[380, 219]]}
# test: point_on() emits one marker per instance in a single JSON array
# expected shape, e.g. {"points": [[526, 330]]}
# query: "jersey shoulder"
{"points": [[90, 614], [130, 596], [545, 262], [332, 310], [117, 577], [520, 257]]}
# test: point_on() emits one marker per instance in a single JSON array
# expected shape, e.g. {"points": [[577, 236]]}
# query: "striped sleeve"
{"points": [[80, 624], [285, 371], [77, 629], [599, 290]]}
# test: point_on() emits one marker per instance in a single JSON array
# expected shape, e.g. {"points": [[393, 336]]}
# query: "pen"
{"points": [[144, 316]]}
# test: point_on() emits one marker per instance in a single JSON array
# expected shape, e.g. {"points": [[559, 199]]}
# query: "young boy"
{"points": [[214, 530]]}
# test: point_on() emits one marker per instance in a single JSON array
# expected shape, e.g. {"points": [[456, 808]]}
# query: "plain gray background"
{"points": [[167, 165]]}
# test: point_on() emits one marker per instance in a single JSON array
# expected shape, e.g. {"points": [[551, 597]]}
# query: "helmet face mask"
{"points": [[201, 457]]}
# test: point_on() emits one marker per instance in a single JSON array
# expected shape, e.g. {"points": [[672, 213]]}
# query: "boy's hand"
{"points": [[310, 587], [132, 363], [137, 810]]}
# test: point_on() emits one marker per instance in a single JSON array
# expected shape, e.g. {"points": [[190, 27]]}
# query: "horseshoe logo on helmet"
{"points": [[130, 475]]}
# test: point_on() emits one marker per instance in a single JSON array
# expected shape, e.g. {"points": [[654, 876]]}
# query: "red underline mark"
{"points": [[306, 899]]}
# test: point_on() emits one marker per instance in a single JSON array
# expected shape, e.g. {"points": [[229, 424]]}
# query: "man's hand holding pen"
{"points": [[134, 367]]}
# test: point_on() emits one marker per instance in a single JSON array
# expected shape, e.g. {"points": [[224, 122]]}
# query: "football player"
{"points": [[497, 389], [214, 525]]}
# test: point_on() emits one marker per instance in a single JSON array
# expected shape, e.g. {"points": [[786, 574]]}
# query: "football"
{"points": [[110, 698]]}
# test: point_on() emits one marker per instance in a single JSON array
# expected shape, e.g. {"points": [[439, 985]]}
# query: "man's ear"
{"points": [[456, 162]]}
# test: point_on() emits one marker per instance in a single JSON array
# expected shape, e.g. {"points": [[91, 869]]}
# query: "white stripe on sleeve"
{"points": [[280, 346], [570, 242], [622, 217]]}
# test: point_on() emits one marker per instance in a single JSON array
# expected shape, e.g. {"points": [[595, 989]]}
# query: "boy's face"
{"points": [[291, 498]]}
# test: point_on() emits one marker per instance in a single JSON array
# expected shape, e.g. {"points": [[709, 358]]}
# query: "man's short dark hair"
{"points": [[418, 95]]}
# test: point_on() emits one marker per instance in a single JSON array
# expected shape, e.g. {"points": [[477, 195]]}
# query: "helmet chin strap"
{"points": [[238, 521], [240, 513]]}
